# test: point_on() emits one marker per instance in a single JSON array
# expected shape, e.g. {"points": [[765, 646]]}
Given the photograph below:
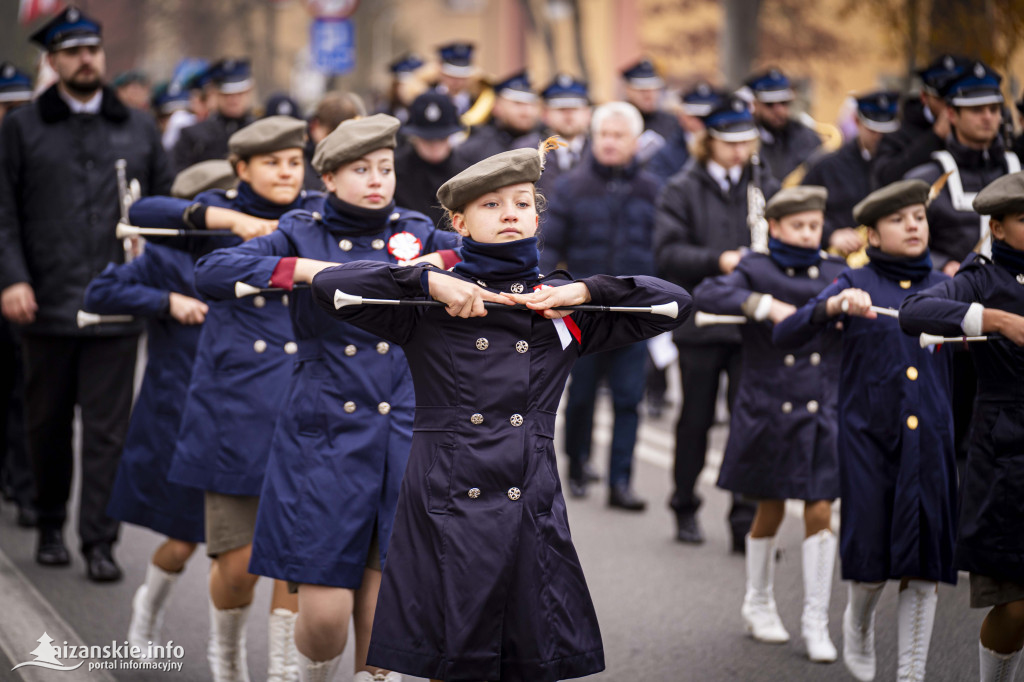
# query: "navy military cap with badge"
{"points": [[517, 87], [643, 76], [169, 97], [879, 111], [232, 75], [15, 85], [731, 121], [941, 71], [701, 99], [432, 116], [456, 59], [405, 66], [280, 104], [771, 86], [566, 92], [70, 28], [976, 85]]}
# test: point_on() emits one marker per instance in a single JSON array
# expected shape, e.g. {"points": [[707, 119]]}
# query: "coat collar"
{"points": [[53, 109]]}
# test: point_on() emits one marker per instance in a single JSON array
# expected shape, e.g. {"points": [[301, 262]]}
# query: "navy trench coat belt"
{"points": [[457, 417]]}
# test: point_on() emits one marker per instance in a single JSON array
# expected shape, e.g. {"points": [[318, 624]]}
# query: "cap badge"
{"points": [[432, 113], [774, 74], [564, 80], [979, 70], [73, 15], [284, 109], [883, 101], [948, 63], [8, 71], [737, 105], [703, 90]]}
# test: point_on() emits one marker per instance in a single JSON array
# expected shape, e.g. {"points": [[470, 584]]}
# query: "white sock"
{"points": [[996, 667]]}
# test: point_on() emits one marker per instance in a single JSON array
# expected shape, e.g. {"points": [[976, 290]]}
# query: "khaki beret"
{"points": [[268, 135], [796, 200], [215, 174], [500, 170], [354, 139], [889, 199], [1002, 196]]}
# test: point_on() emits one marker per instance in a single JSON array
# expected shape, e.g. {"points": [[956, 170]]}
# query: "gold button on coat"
{"points": [[474, 493], [384, 408], [912, 373], [383, 347], [812, 406], [482, 344], [813, 272], [514, 493], [815, 359], [259, 301], [522, 346], [317, 217], [345, 245], [789, 361], [259, 346], [790, 272], [378, 244], [477, 418], [912, 422], [284, 300], [787, 407], [350, 350], [349, 407], [905, 284], [291, 348], [516, 420]]}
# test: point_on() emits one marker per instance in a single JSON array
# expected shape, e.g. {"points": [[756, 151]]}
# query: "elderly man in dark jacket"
{"points": [[700, 228], [58, 209], [600, 220]]}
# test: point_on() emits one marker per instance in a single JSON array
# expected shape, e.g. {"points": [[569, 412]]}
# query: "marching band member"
{"points": [[787, 400], [482, 580], [237, 389], [896, 464], [158, 285], [987, 295], [342, 440]]}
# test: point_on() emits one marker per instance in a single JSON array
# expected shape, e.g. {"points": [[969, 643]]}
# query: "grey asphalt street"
{"points": [[668, 612]]}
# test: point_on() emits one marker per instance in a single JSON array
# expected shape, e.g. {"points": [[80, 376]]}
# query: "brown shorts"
{"points": [[230, 521], [372, 560], [988, 591]]}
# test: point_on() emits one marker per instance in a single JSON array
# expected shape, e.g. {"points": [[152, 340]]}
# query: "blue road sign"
{"points": [[332, 45]]}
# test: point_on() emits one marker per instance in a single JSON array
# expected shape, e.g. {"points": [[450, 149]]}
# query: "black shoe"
{"points": [[577, 488], [739, 544], [621, 496], [100, 564], [689, 529], [27, 517], [589, 475], [51, 550]]}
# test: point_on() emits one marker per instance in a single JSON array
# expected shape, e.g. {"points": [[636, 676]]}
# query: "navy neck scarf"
{"points": [[1008, 257], [900, 268], [355, 221], [789, 256], [249, 202], [500, 262]]}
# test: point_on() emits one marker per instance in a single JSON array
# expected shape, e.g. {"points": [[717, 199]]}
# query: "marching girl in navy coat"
{"points": [[243, 364], [987, 296], [896, 462], [785, 402], [345, 428], [482, 581]]}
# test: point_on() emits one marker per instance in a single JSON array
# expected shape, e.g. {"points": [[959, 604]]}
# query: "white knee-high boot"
{"points": [[859, 629], [819, 555], [996, 667], [226, 652], [317, 671], [916, 618], [282, 657], [363, 676], [148, 607], [760, 616]]}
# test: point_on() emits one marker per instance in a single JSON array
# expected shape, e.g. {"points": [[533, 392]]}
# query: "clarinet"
{"points": [[124, 198], [755, 209]]}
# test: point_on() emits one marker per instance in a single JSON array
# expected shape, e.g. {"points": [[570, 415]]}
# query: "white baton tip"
{"points": [[341, 299], [84, 319], [930, 340], [122, 231], [670, 309], [242, 290]]}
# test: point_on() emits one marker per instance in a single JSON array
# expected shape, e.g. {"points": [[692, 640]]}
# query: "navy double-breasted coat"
{"points": [[343, 435], [482, 581], [142, 494], [896, 460], [990, 536], [782, 431]]}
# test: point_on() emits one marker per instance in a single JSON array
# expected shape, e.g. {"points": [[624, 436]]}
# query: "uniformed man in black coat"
{"points": [[58, 209], [645, 89], [925, 124], [785, 141], [458, 74], [425, 160], [516, 113], [208, 139], [15, 88], [846, 172]]}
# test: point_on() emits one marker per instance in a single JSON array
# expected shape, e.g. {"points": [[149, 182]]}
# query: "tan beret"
{"points": [[889, 199], [796, 200], [1002, 196], [215, 174], [500, 170], [354, 139], [268, 135]]}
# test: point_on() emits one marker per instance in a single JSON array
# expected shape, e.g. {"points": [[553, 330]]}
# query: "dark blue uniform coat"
{"points": [[241, 370], [990, 538], [142, 494], [896, 462], [345, 427], [782, 433], [482, 581]]}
